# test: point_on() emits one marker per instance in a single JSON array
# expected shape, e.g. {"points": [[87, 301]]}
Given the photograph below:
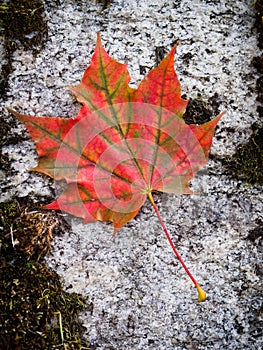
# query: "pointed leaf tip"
{"points": [[201, 294], [98, 38]]}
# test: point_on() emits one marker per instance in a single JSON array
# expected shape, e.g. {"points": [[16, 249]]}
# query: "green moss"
{"points": [[23, 23], [36, 312], [23, 26], [247, 163]]}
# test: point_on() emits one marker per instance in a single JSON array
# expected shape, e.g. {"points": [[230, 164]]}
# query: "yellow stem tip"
{"points": [[201, 293]]}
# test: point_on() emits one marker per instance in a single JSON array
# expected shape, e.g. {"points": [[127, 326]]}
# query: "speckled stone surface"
{"points": [[140, 296]]}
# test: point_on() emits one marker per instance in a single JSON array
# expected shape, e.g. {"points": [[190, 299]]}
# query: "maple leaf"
{"points": [[124, 144]]}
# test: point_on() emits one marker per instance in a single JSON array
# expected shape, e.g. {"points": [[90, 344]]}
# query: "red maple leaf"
{"points": [[124, 144]]}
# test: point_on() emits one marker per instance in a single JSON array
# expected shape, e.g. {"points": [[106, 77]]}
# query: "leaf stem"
{"points": [[201, 293]]}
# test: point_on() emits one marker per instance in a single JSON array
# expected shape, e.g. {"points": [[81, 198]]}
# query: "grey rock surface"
{"points": [[141, 297]]}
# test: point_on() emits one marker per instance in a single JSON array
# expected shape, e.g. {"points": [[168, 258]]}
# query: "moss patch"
{"points": [[248, 159], [36, 312], [247, 163], [23, 26]]}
